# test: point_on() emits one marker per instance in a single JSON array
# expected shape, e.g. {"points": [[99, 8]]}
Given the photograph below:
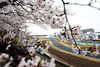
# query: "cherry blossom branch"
{"points": [[6, 13], [3, 4], [31, 14], [36, 10], [68, 3], [68, 24], [8, 23], [12, 25]]}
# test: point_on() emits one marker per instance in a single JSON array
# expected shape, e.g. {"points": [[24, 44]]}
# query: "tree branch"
{"points": [[90, 5], [90, 2], [30, 13], [6, 13], [3, 4], [68, 23]]}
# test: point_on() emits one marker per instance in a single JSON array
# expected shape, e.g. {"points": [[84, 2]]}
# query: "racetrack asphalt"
{"points": [[59, 45]]}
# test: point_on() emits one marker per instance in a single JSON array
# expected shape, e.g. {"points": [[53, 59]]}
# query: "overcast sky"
{"points": [[37, 30], [84, 16]]}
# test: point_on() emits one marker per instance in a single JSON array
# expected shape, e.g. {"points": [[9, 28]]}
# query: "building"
{"points": [[90, 34]]}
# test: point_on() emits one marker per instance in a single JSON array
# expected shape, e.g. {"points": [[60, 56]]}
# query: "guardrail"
{"points": [[79, 43], [87, 43]]}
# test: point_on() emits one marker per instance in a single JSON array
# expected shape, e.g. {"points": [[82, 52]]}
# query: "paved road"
{"points": [[59, 45]]}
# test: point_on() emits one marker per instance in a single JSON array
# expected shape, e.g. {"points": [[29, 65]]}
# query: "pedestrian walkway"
{"points": [[59, 45]]}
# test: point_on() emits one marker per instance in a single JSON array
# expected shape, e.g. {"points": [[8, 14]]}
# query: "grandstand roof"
{"points": [[87, 30]]}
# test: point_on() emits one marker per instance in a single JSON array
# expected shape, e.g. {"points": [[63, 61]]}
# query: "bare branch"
{"points": [[6, 13], [90, 2], [77, 4], [3, 4], [83, 5]]}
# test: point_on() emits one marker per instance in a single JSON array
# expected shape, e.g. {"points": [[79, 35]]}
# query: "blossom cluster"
{"points": [[67, 35], [14, 14], [85, 51], [39, 12], [34, 59]]}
